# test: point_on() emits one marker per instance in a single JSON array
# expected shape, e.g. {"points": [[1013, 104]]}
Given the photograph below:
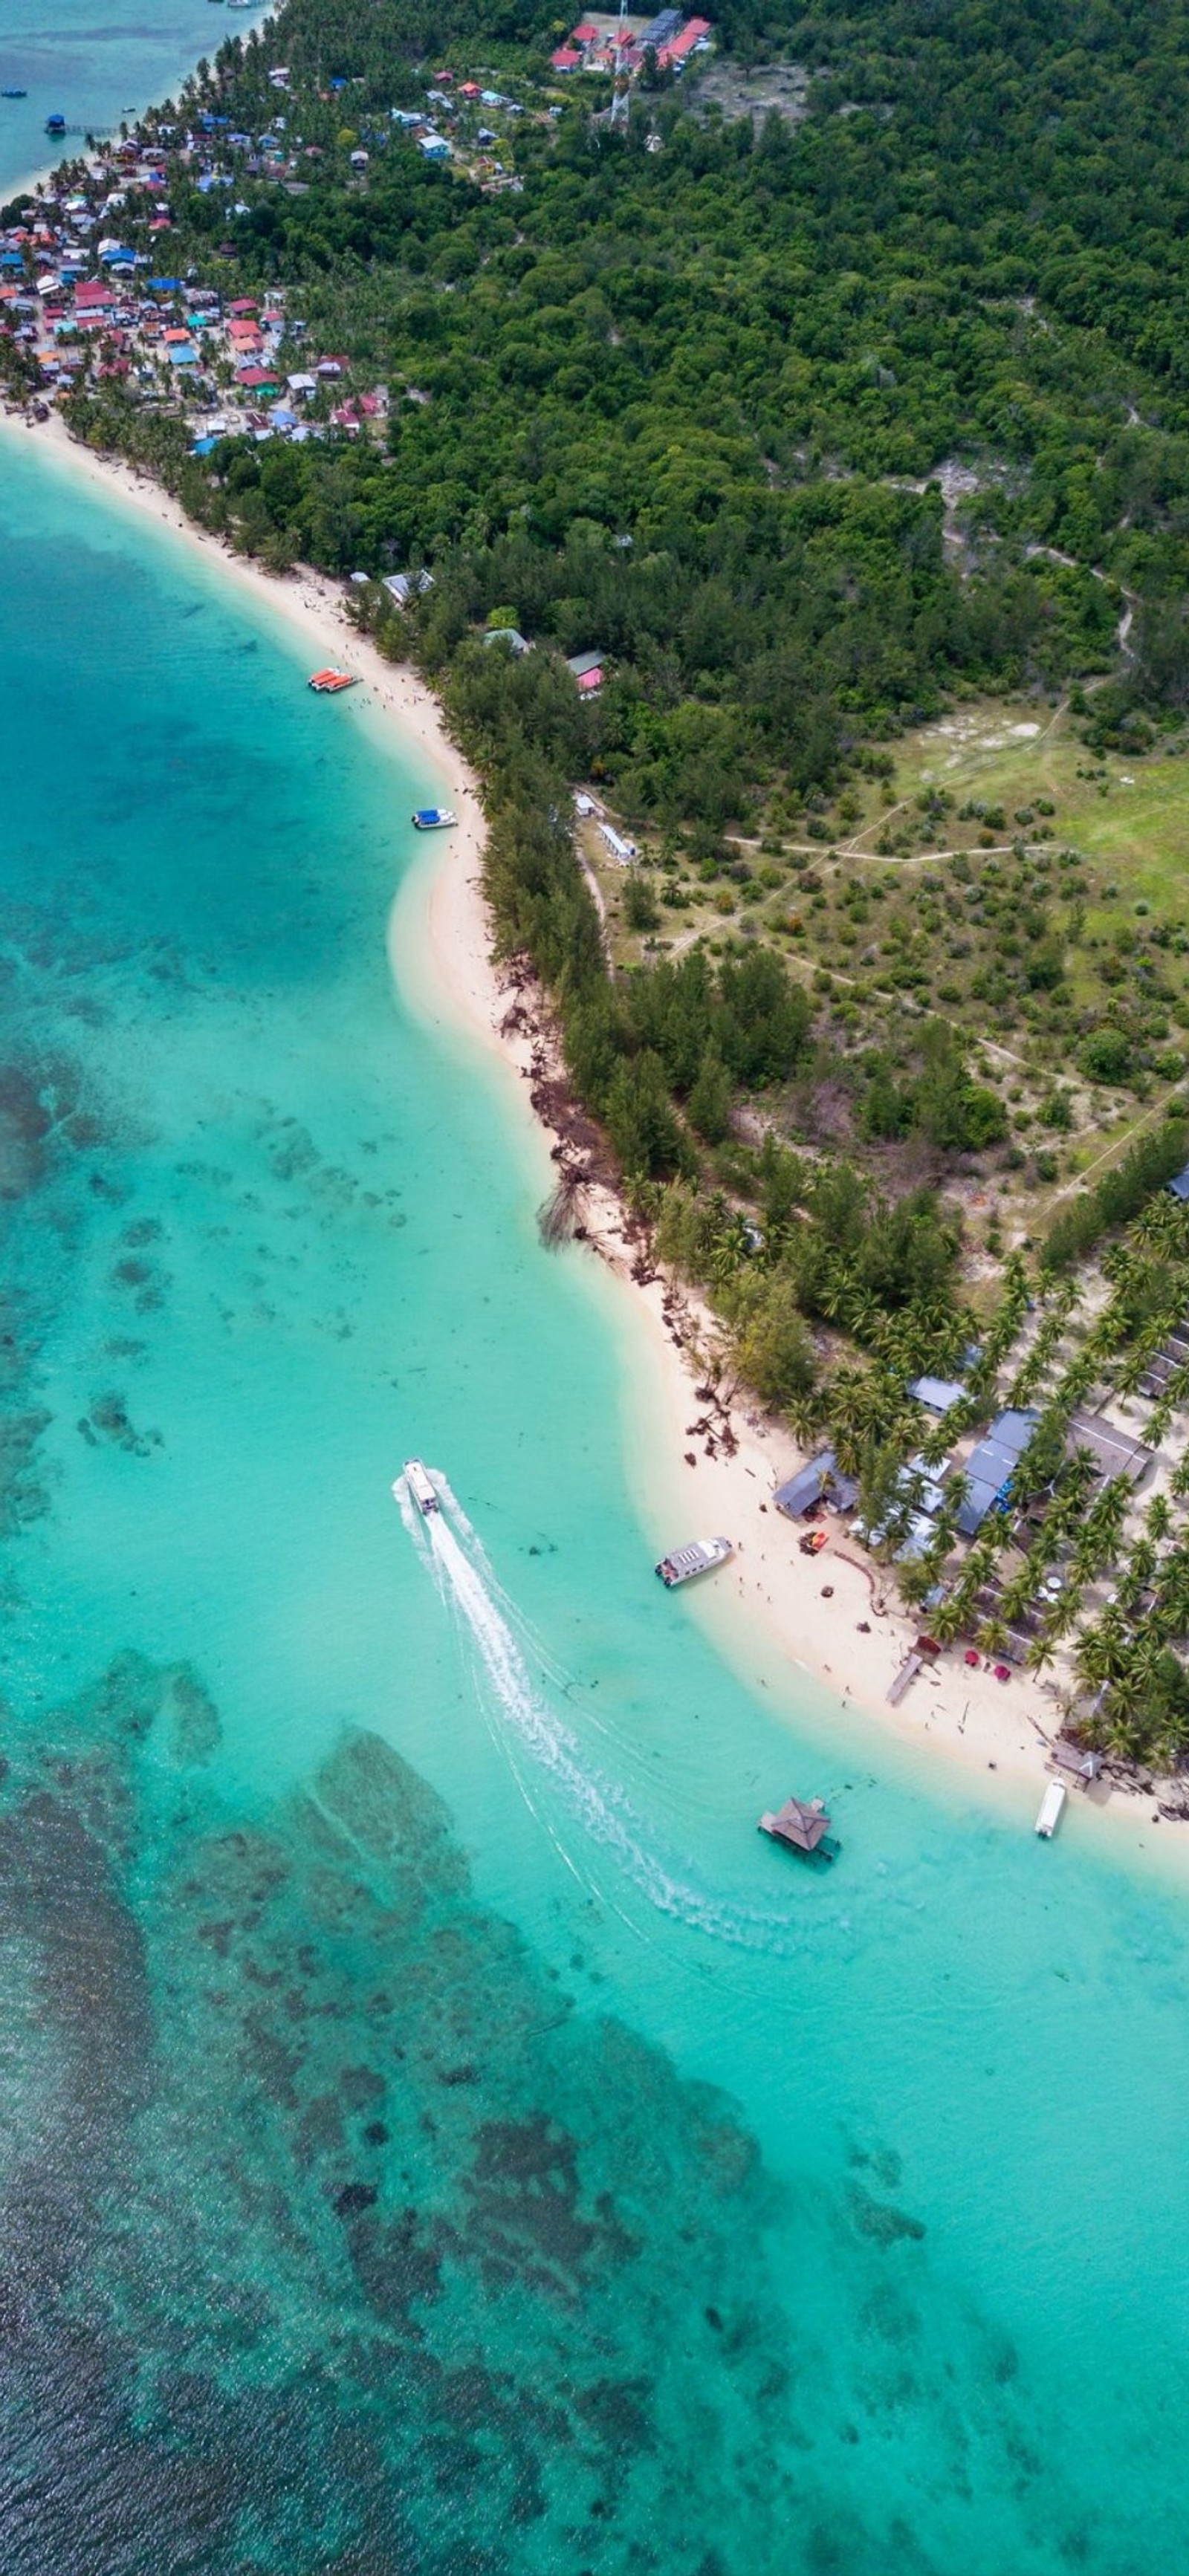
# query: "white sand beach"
{"points": [[782, 1619]]}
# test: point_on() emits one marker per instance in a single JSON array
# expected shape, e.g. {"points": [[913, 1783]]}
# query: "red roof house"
{"points": [[683, 44]]}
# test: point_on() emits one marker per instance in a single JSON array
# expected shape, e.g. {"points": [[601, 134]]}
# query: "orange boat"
{"points": [[327, 683]]}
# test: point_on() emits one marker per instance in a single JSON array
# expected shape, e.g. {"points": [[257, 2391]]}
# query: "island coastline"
{"points": [[697, 1461]]}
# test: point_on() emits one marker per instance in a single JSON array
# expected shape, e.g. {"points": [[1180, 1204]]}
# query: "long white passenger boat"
{"points": [[418, 1482], [699, 1556]]}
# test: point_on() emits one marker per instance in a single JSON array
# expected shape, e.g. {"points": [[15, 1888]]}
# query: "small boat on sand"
{"points": [[1051, 1806], [434, 818], [327, 683], [699, 1556], [804, 1827], [418, 1484]]}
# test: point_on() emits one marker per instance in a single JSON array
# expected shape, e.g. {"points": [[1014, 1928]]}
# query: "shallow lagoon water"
{"points": [[94, 64], [436, 2134]]}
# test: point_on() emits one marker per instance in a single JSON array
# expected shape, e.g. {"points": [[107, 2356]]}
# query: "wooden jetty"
{"points": [[900, 1681]]}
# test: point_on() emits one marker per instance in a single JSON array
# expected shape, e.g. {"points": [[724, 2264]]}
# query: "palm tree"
{"points": [[1135, 1363], [729, 1250], [1159, 1420], [866, 1319], [1174, 1597], [864, 1407], [1063, 1615], [949, 1618], [1078, 1379], [805, 1414], [1141, 1564]]}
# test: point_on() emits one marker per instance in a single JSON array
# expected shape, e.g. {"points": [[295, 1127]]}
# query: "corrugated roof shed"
{"points": [[804, 1489], [821, 1481], [992, 1463], [936, 1393]]}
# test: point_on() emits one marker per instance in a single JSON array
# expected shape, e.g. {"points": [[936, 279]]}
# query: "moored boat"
{"points": [[328, 682], [699, 1556], [417, 1481], [1051, 1806], [434, 818]]}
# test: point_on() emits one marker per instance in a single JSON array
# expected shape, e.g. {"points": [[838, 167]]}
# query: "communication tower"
{"points": [[621, 85]]}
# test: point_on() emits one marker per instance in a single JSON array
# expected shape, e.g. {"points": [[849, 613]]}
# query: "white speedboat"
{"points": [[699, 1556], [1051, 1806], [418, 1484], [434, 818]]}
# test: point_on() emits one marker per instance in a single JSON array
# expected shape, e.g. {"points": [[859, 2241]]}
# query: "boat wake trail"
{"points": [[454, 1555]]}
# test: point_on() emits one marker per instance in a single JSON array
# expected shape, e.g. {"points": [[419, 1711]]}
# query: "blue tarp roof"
{"points": [[992, 1465], [1180, 1186]]}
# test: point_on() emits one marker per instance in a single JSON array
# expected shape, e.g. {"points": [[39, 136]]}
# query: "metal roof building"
{"points": [[936, 1393], [822, 1481], [992, 1464]]}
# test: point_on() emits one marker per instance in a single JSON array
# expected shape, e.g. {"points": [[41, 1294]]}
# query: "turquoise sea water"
{"points": [[93, 64], [435, 2134]]}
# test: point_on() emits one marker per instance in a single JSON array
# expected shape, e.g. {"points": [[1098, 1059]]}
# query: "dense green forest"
{"points": [[689, 393], [686, 404]]}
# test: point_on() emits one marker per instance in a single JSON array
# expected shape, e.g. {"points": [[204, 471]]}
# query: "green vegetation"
{"points": [[856, 439], [686, 404]]}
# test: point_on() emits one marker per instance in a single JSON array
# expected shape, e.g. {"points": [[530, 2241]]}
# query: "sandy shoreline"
{"points": [[308, 602], [767, 1613]]}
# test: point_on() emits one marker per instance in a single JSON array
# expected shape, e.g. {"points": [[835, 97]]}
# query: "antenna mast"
{"points": [[621, 86]]}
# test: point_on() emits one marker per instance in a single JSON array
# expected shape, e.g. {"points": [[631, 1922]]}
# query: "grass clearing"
{"points": [[1001, 877]]}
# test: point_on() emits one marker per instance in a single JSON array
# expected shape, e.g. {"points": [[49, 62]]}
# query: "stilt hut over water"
{"points": [[803, 1827]]}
